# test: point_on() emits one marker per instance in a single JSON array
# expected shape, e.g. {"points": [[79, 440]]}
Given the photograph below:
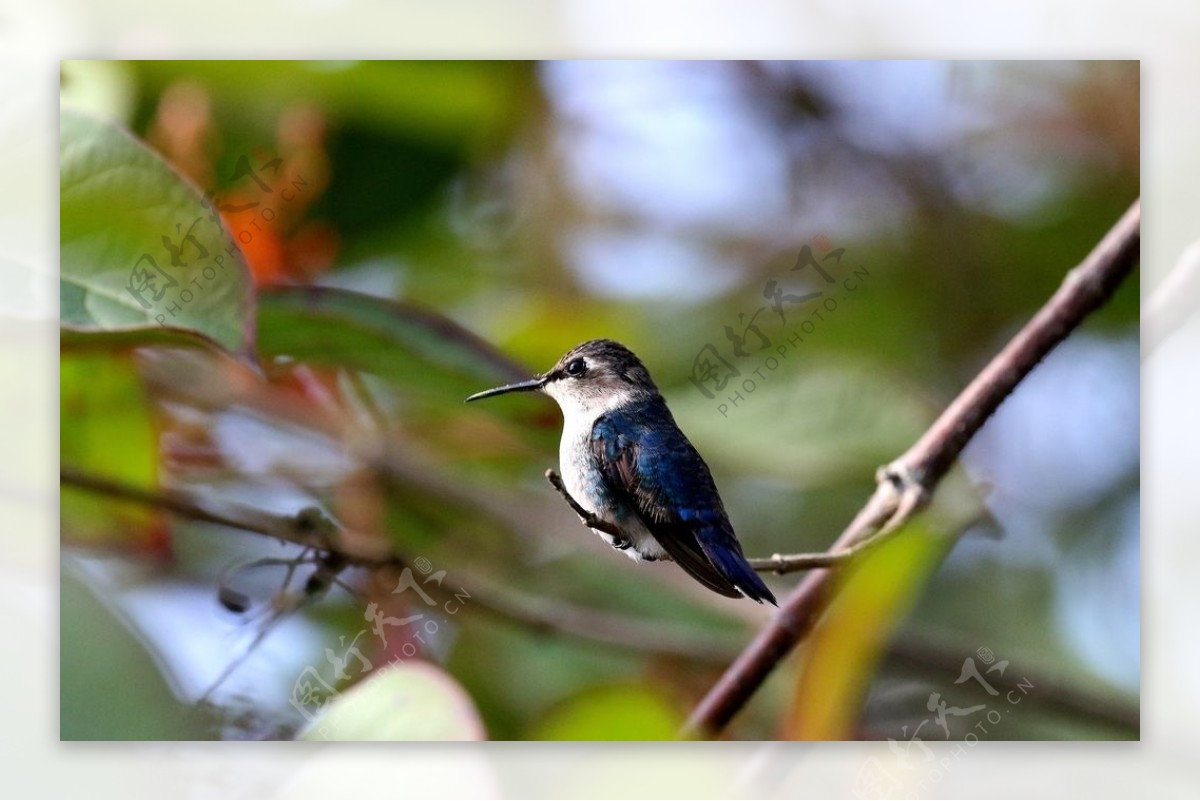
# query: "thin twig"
{"points": [[795, 562], [904, 486], [308, 528]]}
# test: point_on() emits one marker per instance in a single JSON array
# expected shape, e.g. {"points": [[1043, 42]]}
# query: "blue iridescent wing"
{"points": [[650, 466]]}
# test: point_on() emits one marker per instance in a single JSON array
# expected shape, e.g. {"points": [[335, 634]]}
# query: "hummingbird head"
{"points": [[600, 374]]}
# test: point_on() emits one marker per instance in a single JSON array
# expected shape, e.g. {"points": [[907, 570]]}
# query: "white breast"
{"points": [[574, 450], [574, 458]]}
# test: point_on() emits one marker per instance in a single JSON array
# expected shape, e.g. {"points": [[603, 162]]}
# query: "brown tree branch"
{"points": [[795, 562], [587, 518], [904, 486], [615, 630], [308, 528]]}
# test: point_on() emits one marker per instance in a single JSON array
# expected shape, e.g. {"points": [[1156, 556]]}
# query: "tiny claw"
{"points": [[587, 518]]}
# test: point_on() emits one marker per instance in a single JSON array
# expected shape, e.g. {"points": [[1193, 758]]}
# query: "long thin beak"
{"points": [[521, 386]]}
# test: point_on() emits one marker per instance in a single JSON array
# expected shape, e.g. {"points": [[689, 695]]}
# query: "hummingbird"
{"points": [[631, 475]]}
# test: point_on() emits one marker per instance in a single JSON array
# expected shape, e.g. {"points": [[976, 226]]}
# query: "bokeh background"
{"points": [[662, 204]]}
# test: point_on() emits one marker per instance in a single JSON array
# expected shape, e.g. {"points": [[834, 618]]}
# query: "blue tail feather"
{"points": [[734, 567]]}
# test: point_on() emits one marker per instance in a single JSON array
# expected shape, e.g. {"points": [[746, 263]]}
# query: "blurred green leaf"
{"points": [[618, 712], [446, 103], [409, 701], [79, 341], [811, 422], [424, 352], [125, 218], [110, 685], [107, 429], [846, 645], [540, 669]]}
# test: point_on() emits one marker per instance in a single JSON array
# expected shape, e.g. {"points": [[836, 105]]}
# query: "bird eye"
{"points": [[576, 367]]}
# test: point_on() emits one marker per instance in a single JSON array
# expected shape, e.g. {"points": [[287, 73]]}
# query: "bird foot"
{"points": [[590, 520]]}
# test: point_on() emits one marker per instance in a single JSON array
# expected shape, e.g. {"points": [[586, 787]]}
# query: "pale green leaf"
{"points": [[409, 701], [126, 216]]}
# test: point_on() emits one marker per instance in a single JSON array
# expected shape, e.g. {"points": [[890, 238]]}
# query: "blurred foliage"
{"points": [[842, 652], [112, 686], [415, 701], [611, 713], [107, 427], [403, 234]]}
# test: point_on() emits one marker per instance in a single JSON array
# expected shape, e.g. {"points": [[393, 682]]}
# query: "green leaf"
{"points": [[847, 644], [810, 423], [618, 712], [126, 217], [407, 701], [111, 686], [72, 340], [421, 350], [106, 429]]}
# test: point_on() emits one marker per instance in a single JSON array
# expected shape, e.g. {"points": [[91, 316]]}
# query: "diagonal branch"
{"points": [[905, 485]]}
